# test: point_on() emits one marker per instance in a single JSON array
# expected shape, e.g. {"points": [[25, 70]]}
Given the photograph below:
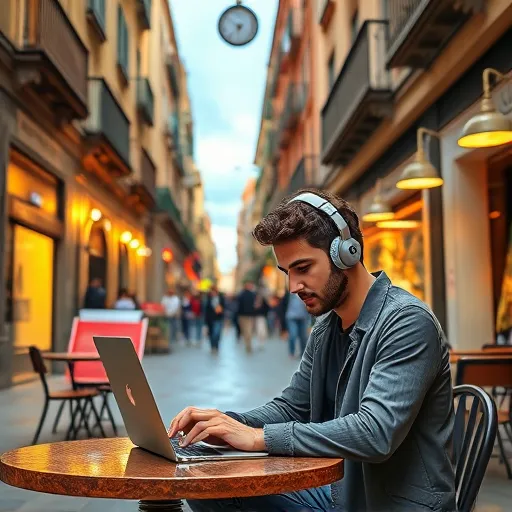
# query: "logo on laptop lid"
{"points": [[129, 395]]}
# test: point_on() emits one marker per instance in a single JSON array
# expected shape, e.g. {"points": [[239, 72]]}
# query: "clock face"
{"points": [[238, 25]]}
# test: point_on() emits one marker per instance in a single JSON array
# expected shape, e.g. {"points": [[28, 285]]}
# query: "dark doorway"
{"points": [[98, 255]]}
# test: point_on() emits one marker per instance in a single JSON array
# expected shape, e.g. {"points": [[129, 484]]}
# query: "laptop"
{"points": [[139, 410]]}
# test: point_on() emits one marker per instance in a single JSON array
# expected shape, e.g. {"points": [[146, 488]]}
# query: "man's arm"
{"points": [[407, 363], [294, 402]]}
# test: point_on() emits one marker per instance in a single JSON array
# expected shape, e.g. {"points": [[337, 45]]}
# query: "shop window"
{"points": [[124, 267], [97, 255], [399, 251], [500, 223]]}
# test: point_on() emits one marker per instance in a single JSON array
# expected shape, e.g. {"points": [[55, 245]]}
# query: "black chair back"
{"points": [[39, 366], [474, 433]]}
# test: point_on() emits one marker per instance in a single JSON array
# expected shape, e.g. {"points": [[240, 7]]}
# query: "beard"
{"points": [[333, 295]]}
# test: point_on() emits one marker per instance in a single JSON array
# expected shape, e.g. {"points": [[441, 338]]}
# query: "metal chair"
{"points": [[78, 398], [474, 433]]}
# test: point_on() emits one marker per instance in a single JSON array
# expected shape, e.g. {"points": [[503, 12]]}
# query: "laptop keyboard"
{"points": [[193, 450]]}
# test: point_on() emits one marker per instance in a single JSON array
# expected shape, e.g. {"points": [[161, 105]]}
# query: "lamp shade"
{"points": [[379, 210], [418, 175], [486, 129]]}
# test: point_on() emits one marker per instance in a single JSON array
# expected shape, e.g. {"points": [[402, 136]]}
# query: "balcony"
{"points": [[171, 131], [420, 29], [360, 97], [325, 11], [276, 71], [295, 103], [143, 189], [293, 32], [165, 203], [107, 134], [96, 16], [52, 61], [171, 64], [144, 13], [145, 101]]}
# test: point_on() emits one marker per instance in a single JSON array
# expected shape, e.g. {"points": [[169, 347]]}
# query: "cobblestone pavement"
{"points": [[188, 376]]}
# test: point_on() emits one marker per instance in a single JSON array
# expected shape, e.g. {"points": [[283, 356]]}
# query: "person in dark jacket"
{"points": [[96, 295], [247, 313], [214, 317]]}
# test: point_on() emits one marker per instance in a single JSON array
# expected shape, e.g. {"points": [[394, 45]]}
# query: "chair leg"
{"points": [[504, 455], [98, 420], [83, 417], [72, 430], [109, 413], [57, 418], [41, 421]]}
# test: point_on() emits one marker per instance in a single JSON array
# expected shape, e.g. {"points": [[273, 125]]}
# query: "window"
{"points": [[331, 76], [354, 25], [96, 13], [122, 42]]}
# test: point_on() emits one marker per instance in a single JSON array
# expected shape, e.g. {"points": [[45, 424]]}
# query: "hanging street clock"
{"points": [[238, 25]]}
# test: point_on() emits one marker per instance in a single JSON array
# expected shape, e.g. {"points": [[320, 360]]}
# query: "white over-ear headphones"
{"points": [[345, 251]]}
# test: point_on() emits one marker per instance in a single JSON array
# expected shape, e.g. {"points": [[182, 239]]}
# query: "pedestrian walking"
{"points": [[171, 303], [214, 317], [246, 313]]}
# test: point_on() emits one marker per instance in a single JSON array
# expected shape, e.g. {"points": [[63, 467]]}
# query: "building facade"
{"points": [[86, 99], [388, 69]]}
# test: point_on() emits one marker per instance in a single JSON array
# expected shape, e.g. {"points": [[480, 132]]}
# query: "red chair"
{"points": [[92, 373]]}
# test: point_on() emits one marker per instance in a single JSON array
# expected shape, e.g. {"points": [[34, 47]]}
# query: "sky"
{"points": [[226, 87]]}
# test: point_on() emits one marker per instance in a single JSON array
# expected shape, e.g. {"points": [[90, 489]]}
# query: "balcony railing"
{"points": [[360, 97], [171, 130], [145, 101], [293, 108], [294, 29], [268, 109], [53, 60], [420, 29], [107, 130], [144, 12], [144, 187], [96, 15], [276, 72], [171, 63]]}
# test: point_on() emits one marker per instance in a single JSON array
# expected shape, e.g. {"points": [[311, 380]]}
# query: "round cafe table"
{"points": [[115, 468]]}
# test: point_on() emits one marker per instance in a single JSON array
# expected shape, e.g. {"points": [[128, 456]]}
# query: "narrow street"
{"points": [[189, 376]]}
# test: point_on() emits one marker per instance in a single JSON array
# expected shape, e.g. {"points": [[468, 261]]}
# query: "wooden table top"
{"points": [[71, 356], [115, 468], [455, 355]]}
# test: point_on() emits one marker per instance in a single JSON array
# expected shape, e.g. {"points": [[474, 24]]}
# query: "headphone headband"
{"points": [[328, 208]]}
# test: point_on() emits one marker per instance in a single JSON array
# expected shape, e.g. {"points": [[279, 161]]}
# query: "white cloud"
{"points": [[225, 239]]}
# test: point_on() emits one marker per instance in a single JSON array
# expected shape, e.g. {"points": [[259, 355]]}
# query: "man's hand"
{"points": [[215, 427]]}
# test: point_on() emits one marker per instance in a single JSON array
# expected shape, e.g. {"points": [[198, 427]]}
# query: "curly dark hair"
{"points": [[291, 221]]}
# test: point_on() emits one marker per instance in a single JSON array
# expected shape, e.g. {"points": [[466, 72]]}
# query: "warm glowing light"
{"points": [[399, 224], [107, 225], [144, 251], [126, 237], [494, 215], [96, 215], [167, 255], [134, 243], [419, 183], [485, 139], [378, 216]]}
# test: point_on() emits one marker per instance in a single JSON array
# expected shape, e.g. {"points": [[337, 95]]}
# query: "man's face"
{"points": [[311, 276]]}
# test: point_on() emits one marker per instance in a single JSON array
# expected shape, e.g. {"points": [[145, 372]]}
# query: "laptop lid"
{"points": [[133, 395]]}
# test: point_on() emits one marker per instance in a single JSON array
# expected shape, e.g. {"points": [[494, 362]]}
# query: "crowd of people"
{"points": [[255, 313]]}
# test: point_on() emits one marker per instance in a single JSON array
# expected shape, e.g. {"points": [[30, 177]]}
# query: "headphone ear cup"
{"points": [[350, 252], [334, 252]]}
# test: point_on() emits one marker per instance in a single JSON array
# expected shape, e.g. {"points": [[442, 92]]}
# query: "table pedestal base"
{"points": [[160, 506]]}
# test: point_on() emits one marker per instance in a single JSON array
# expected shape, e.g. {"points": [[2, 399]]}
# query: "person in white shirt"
{"points": [[172, 306], [124, 301]]}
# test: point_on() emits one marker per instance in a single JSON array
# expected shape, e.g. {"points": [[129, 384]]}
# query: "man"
{"points": [[247, 313], [95, 295], [373, 386], [297, 320], [172, 308]]}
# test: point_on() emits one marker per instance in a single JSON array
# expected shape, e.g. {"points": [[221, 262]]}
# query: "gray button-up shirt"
{"points": [[393, 413]]}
